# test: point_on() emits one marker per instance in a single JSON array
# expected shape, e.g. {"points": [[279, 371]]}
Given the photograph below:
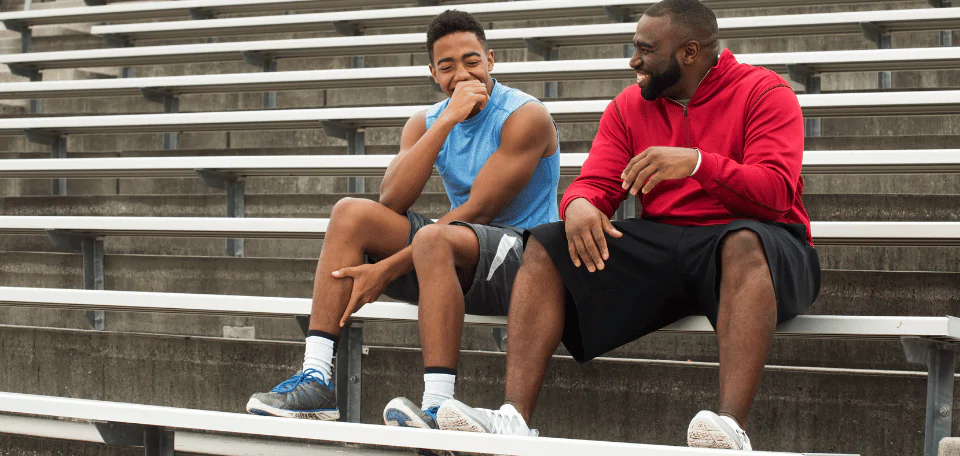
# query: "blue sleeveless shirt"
{"points": [[469, 145]]}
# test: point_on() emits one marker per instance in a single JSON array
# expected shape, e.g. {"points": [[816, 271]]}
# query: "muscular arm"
{"points": [[526, 137], [599, 181], [763, 186], [411, 168]]}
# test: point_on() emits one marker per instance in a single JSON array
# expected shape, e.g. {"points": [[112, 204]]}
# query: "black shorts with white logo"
{"points": [[658, 274], [501, 248]]}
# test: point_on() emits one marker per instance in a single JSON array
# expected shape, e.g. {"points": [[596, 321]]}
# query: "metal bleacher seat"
{"points": [[928, 340], [538, 39], [164, 430], [941, 58], [814, 162], [820, 105], [354, 22]]}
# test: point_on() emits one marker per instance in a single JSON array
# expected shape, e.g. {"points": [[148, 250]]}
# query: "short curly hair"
{"points": [[691, 17], [452, 21]]}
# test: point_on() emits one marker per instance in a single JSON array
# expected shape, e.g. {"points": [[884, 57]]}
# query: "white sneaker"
{"points": [[457, 416], [709, 430]]}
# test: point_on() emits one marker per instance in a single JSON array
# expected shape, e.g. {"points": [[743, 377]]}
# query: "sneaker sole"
{"points": [[256, 407], [705, 433], [452, 419], [399, 413]]}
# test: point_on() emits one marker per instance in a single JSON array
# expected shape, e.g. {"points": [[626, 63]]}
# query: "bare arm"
{"points": [[527, 136], [411, 168], [524, 140]]}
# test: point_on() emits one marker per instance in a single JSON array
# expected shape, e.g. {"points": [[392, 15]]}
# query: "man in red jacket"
{"points": [[713, 149]]}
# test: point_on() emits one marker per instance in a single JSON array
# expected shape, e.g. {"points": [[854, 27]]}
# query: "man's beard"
{"points": [[660, 82]]}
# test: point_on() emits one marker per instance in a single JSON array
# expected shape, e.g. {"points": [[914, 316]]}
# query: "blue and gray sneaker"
{"points": [[305, 395], [404, 413]]}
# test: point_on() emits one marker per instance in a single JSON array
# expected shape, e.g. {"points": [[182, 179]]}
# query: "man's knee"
{"points": [[742, 250], [535, 255], [349, 213], [430, 242]]}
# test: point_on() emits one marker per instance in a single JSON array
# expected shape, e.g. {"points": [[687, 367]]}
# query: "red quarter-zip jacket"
{"points": [[747, 124]]}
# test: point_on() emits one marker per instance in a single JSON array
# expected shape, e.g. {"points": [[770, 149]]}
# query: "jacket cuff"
{"points": [[709, 165]]}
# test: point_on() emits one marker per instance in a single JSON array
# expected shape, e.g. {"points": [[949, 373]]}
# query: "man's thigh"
{"points": [[499, 250], [379, 231], [640, 289]]}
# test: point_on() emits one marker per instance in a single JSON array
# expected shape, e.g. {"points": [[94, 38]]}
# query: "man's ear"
{"points": [[490, 60], [433, 73], [690, 52]]}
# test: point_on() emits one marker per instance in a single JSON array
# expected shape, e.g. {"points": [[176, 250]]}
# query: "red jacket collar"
{"points": [[715, 79]]}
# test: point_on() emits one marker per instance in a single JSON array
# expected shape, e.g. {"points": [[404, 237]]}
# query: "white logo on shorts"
{"points": [[506, 244]]}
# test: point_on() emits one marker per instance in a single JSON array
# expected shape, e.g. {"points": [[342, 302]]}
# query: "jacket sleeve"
{"points": [[599, 180], [763, 186]]}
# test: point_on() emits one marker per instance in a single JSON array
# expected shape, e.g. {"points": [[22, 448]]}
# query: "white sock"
{"points": [[437, 388], [319, 356]]}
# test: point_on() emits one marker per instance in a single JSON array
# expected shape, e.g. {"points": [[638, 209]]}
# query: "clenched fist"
{"points": [[469, 97]]}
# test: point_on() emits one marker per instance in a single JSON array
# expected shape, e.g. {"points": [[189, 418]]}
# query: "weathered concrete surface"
{"points": [[15, 445], [842, 293], [820, 207], [642, 401], [950, 447]]}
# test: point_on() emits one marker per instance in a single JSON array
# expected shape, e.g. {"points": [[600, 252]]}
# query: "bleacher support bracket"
{"points": [[811, 82], [156, 441], [355, 146], [941, 362], [92, 248], [548, 52], [58, 149], [171, 104], [616, 13], [881, 37], [234, 186], [267, 64]]}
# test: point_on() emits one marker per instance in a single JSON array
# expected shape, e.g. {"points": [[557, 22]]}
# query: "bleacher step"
{"points": [[798, 409]]}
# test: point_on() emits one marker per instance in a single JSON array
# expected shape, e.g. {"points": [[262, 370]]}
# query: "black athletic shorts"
{"points": [[658, 274], [501, 248]]}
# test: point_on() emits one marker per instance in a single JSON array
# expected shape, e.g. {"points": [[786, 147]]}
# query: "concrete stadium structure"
{"points": [[879, 87]]}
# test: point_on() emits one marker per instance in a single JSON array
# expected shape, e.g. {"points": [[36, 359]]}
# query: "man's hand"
{"points": [[467, 97], [369, 281], [657, 164], [585, 226]]}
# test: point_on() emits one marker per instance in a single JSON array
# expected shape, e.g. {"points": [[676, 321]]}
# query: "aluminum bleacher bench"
{"points": [[929, 340], [164, 430], [206, 9], [354, 22], [348, 123], [800, 65], [824, 233], [873, 24], [919, 161], [180, 9], [820, 105]]}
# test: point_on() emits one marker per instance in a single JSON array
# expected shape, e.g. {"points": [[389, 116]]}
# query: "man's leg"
{"points": [[536, 326], [444, 257], [357, 226], [534, 331], [746, 321]]}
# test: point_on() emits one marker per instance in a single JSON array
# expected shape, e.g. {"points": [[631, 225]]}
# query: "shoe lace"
{"points": [[502, 422], [309, 375], [432, 412], [744, 439]]}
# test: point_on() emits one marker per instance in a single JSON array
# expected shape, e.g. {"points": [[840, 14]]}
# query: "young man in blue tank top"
{"points": [[497, 152]]}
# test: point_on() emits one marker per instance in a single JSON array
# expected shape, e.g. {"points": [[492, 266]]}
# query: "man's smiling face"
{"points": [[654, 59], [459, 57]]}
